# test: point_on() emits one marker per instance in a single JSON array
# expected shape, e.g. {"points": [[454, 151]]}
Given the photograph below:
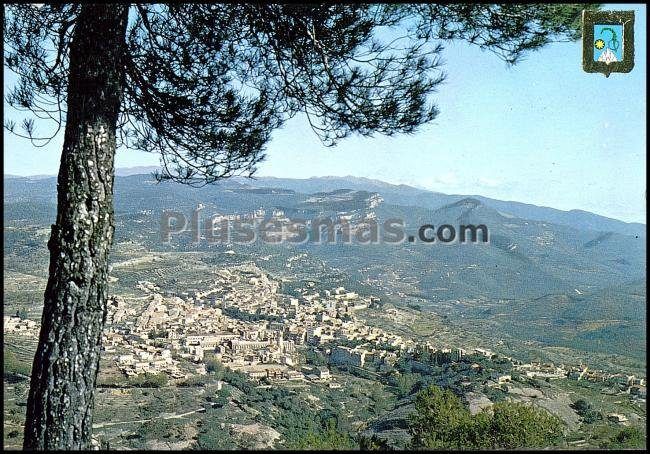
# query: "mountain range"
{"points": [[410, 196], [581, 272]]}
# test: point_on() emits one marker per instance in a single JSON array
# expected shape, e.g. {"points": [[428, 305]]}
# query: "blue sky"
{"points": [[612, 39], [542, 132]]}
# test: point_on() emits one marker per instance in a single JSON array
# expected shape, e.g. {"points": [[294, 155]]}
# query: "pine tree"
{"points": [[204, 85]]}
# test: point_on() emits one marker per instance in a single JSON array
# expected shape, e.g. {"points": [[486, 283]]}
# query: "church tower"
{"points": [[281, 342]]}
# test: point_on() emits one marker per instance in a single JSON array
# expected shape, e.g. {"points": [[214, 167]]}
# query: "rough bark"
{"points": [[60, 403]]}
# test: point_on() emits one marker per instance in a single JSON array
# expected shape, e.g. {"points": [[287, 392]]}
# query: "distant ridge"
{"points": [[411, 196], [120, 172], [9, 176], [138, 170]]}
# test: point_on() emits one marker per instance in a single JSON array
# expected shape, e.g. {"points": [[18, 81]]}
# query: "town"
{"points": [[244, 322]]}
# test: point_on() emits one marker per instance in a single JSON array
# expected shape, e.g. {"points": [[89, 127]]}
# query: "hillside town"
{"points": [[244, 322]]}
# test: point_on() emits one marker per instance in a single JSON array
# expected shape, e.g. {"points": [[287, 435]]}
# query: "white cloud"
{"points": [[489, 182], [446, 179]]}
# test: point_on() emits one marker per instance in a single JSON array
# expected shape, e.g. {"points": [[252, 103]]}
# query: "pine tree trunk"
{"points": [[60, 403]]}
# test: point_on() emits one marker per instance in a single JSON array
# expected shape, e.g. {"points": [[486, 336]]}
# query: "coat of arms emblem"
{"points": [[608, 41]]}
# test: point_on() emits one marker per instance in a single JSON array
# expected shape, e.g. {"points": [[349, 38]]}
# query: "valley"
{"points": [[224, 345]]}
